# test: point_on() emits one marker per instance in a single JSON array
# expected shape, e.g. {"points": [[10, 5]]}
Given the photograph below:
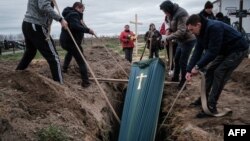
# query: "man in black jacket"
{"points": [[224, 48], [207, 12], [73, 15]]}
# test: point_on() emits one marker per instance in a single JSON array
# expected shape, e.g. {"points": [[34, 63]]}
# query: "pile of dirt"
{"points": [[182, 123], [31, 101]]}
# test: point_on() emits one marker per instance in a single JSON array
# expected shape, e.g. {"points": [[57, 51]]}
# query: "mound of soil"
{"points": [[31, 101], [182, 123]]}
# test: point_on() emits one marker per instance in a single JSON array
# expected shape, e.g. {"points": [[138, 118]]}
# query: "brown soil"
{"points": [[182, 124], [31, 101]]}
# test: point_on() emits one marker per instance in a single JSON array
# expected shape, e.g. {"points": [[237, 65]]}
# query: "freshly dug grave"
{"points": [[31, 104]]}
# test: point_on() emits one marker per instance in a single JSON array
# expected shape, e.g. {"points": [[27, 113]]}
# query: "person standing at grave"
{"points": [[153, 39], [224, 49], [177, 17], [36, 29], [127, 39], [73, 15], [207, 12]]}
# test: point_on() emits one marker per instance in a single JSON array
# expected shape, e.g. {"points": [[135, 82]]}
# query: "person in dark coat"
{"points": [[207, 12], [177, 17], [73, 15], [153, 39], [224, 47], [220, 17]]}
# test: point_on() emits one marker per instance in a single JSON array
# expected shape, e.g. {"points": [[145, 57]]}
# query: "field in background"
{"points": [[110, 42]]}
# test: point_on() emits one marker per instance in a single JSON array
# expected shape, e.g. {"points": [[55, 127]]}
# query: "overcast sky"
{"points": [[105, 17]]}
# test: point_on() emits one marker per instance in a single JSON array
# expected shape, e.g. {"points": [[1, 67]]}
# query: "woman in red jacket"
{"points": [[127, 39]]}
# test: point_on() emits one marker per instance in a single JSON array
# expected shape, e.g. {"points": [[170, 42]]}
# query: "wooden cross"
{"points": [[136, 23], [140, 77]]}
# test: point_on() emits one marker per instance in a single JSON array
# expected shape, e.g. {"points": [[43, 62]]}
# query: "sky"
{"points": [[105, 17]]}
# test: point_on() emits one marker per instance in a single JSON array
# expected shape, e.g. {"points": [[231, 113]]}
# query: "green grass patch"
{"points": [[18, 55], [51, 133]]}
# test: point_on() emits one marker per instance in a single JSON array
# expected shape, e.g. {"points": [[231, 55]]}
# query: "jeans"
{"points": [[181, 59], [219, 72]]}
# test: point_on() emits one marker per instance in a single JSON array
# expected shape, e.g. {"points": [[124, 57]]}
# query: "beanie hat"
{"points": [[167, 6], [208, 5]]}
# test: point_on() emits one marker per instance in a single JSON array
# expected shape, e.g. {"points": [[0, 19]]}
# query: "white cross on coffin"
{"points": [[140, 77]]}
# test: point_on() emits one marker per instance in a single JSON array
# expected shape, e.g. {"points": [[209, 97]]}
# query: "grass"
{"points": [[111, 43], [51, 133], [18, 55]]}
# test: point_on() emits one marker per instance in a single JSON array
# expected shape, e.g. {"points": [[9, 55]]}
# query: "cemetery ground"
{"points": [[34, 107]]}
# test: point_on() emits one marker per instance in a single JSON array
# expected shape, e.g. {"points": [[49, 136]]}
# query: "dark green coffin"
{"points": [[142, 101]]}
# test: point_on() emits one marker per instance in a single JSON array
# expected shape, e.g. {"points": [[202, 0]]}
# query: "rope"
{"points": [[149, 36], [107, 50], [170, 54], [143, 51], [91, 71], [204, 100]]}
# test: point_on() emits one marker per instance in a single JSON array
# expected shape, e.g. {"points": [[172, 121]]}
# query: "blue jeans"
{"points": [[181, 59]]}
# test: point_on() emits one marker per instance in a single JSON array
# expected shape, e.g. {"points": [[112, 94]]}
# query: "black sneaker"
{"points": [[85, 84], [202, 114], [196, 103], [213, 109]]}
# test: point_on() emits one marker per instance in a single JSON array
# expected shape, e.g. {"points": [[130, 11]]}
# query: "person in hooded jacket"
{"points": [[177, 17], [207, 12], [74, 16], [153, 39]]}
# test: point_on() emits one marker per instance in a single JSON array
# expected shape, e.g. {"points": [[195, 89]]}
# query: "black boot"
{"points": [[212, 109], [85, 84]]}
